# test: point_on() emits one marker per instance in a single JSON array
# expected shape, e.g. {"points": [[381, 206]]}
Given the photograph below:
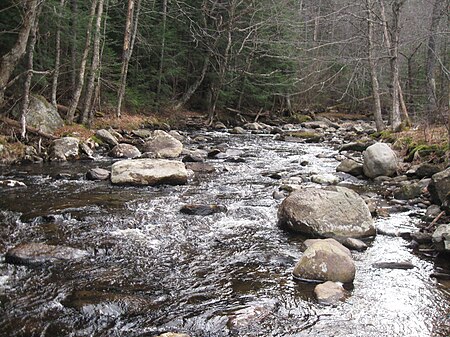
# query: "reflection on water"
{"points": [[153, 269]]}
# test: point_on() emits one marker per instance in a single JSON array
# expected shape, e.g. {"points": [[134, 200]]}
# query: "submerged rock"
{"points": [[201, 167], [393, 265], [326, 212], [38, 253], [148, 172], [330, 292], [326, 261], [12, 183], [202, 209], [107, 303], [379, 160], [354, 244], [97, 174]]}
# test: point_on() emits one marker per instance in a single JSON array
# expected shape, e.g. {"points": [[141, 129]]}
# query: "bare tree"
{"points": [[58, 53], [392, 42], [82, 71], [163, 47], [95, 65], [27, 85], [8, 61], [372, 65], [438, 10], [129, 39]]}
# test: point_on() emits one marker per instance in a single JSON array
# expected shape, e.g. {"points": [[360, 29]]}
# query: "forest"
{"points": [[385, 58]]}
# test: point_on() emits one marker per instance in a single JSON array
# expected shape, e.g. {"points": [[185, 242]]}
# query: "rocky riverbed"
{"points": [[202, 233]]}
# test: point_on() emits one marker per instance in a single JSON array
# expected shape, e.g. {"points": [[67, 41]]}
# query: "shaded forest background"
{"points": [[387, 58]]}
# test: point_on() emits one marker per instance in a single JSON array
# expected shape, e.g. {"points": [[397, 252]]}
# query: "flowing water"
{"points": [[153, 269]]}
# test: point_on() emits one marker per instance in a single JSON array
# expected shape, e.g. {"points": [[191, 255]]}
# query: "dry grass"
{"points": [[74, 130], [125, 122]]}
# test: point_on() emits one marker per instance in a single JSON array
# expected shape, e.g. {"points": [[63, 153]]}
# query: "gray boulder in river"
{"points": [[163, 145], [64, 149], [326, 261], [326, 212], [379, 160], [148, 172]]}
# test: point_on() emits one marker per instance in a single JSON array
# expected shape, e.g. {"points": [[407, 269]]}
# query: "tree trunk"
{"points": [[73, 45], [27, 85], [129, 38], [95, 65], [404, 109], [223, 66], [58, 55], [163, 49], [81, 73], [431, 56], [392, 42], [8, 62], [373, 71], [193, 88]]}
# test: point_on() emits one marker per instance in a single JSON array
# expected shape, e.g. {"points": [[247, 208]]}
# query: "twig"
{"points": [[434, 221]]}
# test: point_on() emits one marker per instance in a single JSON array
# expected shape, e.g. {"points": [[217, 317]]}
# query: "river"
{"points": [[153, 269]]}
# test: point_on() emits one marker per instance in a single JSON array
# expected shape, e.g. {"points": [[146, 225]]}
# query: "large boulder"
{"points": [[379, 160], [38, 253], [163, 145], [326, 212], [439, 187], [65, 148], [42, 115], [326, 261], [148, 172]]}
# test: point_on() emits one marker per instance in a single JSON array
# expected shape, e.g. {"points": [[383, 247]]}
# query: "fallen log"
{"points": [[30, 129]]}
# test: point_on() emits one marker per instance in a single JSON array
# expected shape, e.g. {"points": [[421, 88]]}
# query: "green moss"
{"points": [[97, 140], [426, 150], [386, 135], [302, 134], [297, 118]]}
